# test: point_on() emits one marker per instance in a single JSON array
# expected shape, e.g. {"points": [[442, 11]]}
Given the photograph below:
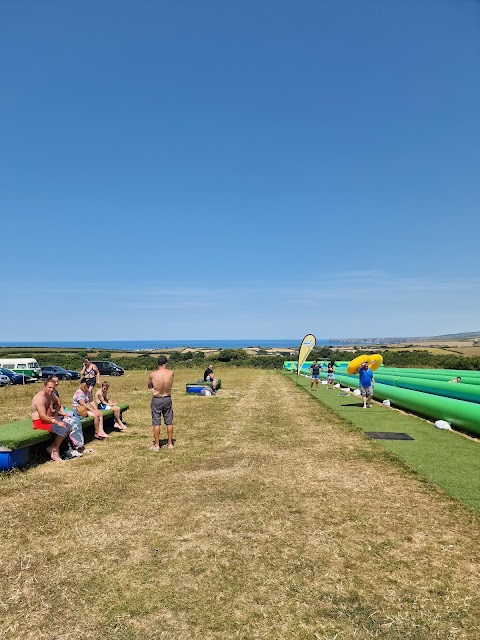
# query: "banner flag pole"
{"points": [[307, 345]]}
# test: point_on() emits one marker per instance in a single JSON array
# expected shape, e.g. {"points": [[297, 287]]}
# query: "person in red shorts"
{"points": [[41, 403]]}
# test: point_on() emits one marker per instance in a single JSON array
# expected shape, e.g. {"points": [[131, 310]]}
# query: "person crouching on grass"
{"points": [[367, 382], [209, 376], [41, 403], [102, 401], [83, 406]]}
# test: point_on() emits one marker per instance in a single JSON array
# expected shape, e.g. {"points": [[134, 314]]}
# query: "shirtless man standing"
{"points": [[41, 419], [161, 382]]}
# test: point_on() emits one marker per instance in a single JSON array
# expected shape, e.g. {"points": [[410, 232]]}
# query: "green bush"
{"points": [[240, 358]]}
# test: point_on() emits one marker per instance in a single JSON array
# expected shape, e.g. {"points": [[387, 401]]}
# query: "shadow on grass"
{"points": [[353, 406]]}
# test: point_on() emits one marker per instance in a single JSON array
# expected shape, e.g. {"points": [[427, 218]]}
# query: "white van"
{"points": [[28, 366]]}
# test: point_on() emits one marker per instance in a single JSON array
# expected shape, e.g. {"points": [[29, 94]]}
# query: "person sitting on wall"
{"points": [[102, 401], [57, 410], [83, 406], [209, 376], [41, 403]]}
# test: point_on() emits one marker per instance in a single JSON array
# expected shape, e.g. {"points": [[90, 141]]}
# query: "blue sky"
{"points": [[226, 169]]}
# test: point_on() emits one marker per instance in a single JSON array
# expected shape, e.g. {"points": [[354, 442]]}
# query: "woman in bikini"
{"points": [[102, 401], [90, 372], [330, 376]]}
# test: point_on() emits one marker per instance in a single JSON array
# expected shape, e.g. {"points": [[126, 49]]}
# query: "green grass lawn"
{"points": [[273, 518], [445, 457]]}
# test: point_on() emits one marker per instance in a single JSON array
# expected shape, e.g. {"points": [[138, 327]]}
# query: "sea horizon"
{"points": [[146, 345]]}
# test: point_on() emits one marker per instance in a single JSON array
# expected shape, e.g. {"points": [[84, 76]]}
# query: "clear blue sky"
{"points": [[239, 169]]}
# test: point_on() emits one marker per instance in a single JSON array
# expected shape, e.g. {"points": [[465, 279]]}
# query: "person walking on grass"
{"points": [[315, 369], [330, 376], [90, 372], [161, 382], [367, 382], [41, 403]]}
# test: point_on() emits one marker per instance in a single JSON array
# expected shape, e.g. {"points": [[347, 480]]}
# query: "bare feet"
{"points": [[169, 446], [54, 455], [153, 448]]}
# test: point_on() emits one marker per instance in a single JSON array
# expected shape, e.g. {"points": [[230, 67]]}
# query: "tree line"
{"points": [[241, 358]]}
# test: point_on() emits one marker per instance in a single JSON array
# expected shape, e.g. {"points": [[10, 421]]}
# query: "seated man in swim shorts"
{"points": [[161, 382], [41, 403], [101, 398]]}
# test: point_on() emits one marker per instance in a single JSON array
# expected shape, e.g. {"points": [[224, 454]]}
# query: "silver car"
{"points": [[4, 380]]}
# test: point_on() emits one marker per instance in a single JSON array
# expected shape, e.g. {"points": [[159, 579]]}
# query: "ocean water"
{"points": [[147, 345]]}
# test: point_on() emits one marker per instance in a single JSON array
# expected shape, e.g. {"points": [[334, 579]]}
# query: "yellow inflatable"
{"points": [[374, 361]]}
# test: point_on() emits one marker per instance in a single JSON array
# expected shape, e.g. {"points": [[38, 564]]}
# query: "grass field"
{"points": [[272, 518], [448, 458]]}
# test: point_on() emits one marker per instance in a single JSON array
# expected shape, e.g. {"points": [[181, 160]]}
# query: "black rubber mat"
{"points": [[388, 435]]}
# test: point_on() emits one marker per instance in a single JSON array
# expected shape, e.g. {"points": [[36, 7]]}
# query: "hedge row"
{"points": [[240, 358]]}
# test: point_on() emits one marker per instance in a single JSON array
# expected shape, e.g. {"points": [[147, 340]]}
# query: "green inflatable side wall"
{"points": [[460, 391], [461, 414]]}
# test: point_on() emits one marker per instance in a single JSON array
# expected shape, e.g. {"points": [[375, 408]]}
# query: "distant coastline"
{"points": [[154, 345], [286, 343]]}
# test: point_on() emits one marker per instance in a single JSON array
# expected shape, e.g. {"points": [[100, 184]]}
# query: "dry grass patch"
{"points": [[270, 519]]}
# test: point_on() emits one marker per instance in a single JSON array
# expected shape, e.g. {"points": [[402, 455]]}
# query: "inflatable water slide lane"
{"points": [[459, 391], [461, 414], [468, 377]]}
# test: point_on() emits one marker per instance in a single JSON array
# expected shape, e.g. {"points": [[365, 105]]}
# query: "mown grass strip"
{"points": [[445, 457]]}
